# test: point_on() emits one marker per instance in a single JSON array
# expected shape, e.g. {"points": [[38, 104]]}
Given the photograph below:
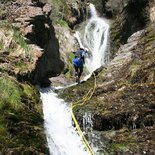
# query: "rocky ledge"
{"points": [[122, 107]]}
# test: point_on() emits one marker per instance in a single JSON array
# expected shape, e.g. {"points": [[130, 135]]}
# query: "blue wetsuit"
{"points": [[78, 62], [78, 65]]}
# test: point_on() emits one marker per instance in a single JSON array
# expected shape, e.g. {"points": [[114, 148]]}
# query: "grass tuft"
{"points": [[17, 42], [20, 40], [9, 94]]}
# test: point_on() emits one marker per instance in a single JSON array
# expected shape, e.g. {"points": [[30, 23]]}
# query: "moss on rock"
{"points": [[21, 122], [123, 102], [134, 12]]}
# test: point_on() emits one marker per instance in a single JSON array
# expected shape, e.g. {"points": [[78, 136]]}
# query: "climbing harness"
{"points": [[80, 103]]}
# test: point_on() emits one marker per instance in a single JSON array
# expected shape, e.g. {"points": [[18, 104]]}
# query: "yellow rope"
{"points": [[78, 103]]}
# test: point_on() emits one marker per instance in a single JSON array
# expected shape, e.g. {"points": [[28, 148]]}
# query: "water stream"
{"points": [[96, 40], [62, 137]]}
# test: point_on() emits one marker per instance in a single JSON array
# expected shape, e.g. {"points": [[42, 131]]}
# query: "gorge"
{"points": [[37, 38], [62, 136]]}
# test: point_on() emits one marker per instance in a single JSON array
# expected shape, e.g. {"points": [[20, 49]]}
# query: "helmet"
{"points": [[81, 48]]}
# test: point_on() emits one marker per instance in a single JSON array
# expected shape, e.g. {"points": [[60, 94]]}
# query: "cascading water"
{"points": [[96, 39], [88, 124], [61, 135], [92, 11], [77, 36]]}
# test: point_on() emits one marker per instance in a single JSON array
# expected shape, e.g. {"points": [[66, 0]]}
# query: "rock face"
{"points": [[122, 28], [67, 44], [21, 120], [122, 14], [22, 48], [122, 106], [33, 20], [50, 64], [29, 52], [71, 11], [78, 12], [70, 14]]}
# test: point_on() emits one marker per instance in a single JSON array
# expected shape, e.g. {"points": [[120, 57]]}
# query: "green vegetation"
{"points": [[2, 128], [60, 11], [11, 31], [71, 56], [20, 65], [13, 43], [21, 122], [28, 90], [1, 45], [10, 94], [62, 22], [120, 147], [4, 24], [20, 40], [2, 13], [70, 67]]}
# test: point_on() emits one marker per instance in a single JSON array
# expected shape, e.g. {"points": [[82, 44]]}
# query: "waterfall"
{"points": [[92, 11], [77, 36], [88, 128], [88, 124], [62, 137], [96, 39]]}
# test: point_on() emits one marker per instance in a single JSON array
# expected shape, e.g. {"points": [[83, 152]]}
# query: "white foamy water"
{"points": [[77, 36], [93, 11], [61, 135], [96, 39]]}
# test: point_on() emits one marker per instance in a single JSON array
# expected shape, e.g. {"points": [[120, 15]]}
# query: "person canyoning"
{"points": [[78, 62]]}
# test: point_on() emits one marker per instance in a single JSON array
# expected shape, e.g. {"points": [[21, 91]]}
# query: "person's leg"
{"points": [[80, 72], [77, 73], [76, 70]]}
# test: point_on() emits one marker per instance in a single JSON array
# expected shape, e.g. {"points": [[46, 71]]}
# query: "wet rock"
{"points": [[72, 12], [122, 28], [34, 22], [112, 8], [124, 96], [22, 119]]}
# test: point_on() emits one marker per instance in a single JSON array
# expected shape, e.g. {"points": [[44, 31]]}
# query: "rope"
{"points": [[80, 103]]}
